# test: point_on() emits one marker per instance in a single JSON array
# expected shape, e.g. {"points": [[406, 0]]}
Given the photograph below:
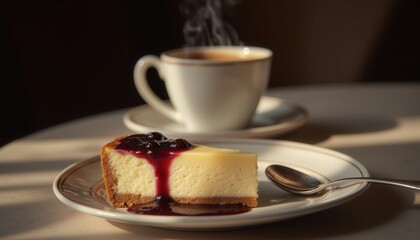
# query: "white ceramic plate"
{"points": [[80, 187], [273, 117]]}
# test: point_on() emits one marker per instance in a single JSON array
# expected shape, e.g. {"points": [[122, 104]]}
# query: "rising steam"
{"points": [[205, 24]]}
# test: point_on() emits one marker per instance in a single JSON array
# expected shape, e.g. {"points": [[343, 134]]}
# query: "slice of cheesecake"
{"points": [[144, 167]]}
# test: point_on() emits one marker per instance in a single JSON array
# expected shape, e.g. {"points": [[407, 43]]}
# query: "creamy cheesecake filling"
{"points": [[202, 171], [214, 172], [135, 175], [141, 168]]}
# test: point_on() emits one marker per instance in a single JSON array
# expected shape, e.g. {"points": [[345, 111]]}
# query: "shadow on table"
{"points": [[310, 133], [30, 215], [34, 166], [320, 130], [377, 206]]}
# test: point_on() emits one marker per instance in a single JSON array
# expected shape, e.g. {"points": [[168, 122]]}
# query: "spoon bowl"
{"points": [[297, 182]]}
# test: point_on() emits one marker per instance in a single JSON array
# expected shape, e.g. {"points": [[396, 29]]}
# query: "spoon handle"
{"points": [[415, 185]]}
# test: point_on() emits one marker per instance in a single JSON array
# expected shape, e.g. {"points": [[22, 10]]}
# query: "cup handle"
{"points": [[140, 80]]}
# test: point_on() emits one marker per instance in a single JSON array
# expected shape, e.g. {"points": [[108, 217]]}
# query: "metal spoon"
{"points": [[294, 181]]}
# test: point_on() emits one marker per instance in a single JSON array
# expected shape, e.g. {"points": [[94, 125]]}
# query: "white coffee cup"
{"points": [[210, 88]]}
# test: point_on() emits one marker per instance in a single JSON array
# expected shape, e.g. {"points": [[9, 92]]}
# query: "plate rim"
{"points": [[301, 118], [231, 221]]}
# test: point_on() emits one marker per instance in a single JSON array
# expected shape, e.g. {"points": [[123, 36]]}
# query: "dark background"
{"points": [[67, 59]]}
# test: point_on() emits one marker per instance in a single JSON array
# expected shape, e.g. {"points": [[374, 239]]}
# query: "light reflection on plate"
{"points": [[79, 186]]}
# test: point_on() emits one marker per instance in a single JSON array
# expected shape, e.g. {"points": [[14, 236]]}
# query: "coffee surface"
{"points": [[215, 56]]}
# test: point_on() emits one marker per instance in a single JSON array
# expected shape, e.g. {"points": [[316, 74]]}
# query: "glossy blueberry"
{"points": [[152, 144], [156, 136], [180, 144], [136, 137]]}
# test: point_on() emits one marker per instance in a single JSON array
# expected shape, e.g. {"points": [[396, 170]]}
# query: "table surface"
{"points": [[377, 124]]}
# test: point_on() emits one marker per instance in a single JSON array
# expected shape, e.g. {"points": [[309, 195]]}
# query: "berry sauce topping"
{"points": [[154, 144], [159, 151]]}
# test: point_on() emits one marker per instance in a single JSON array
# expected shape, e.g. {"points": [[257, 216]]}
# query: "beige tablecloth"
{"points": [[377, 124]]}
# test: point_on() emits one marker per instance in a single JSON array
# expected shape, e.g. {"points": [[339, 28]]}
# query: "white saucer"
{"points": [[274, 116], [80, 187]]}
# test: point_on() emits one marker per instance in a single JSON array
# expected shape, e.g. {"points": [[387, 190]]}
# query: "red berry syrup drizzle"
{"points": [[159, 152]]}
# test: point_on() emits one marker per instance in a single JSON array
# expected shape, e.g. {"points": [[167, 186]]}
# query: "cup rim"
{"points": [[260, 54]]}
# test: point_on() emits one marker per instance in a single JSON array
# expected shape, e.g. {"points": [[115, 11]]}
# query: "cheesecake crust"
{"points": [[128, 200]]}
